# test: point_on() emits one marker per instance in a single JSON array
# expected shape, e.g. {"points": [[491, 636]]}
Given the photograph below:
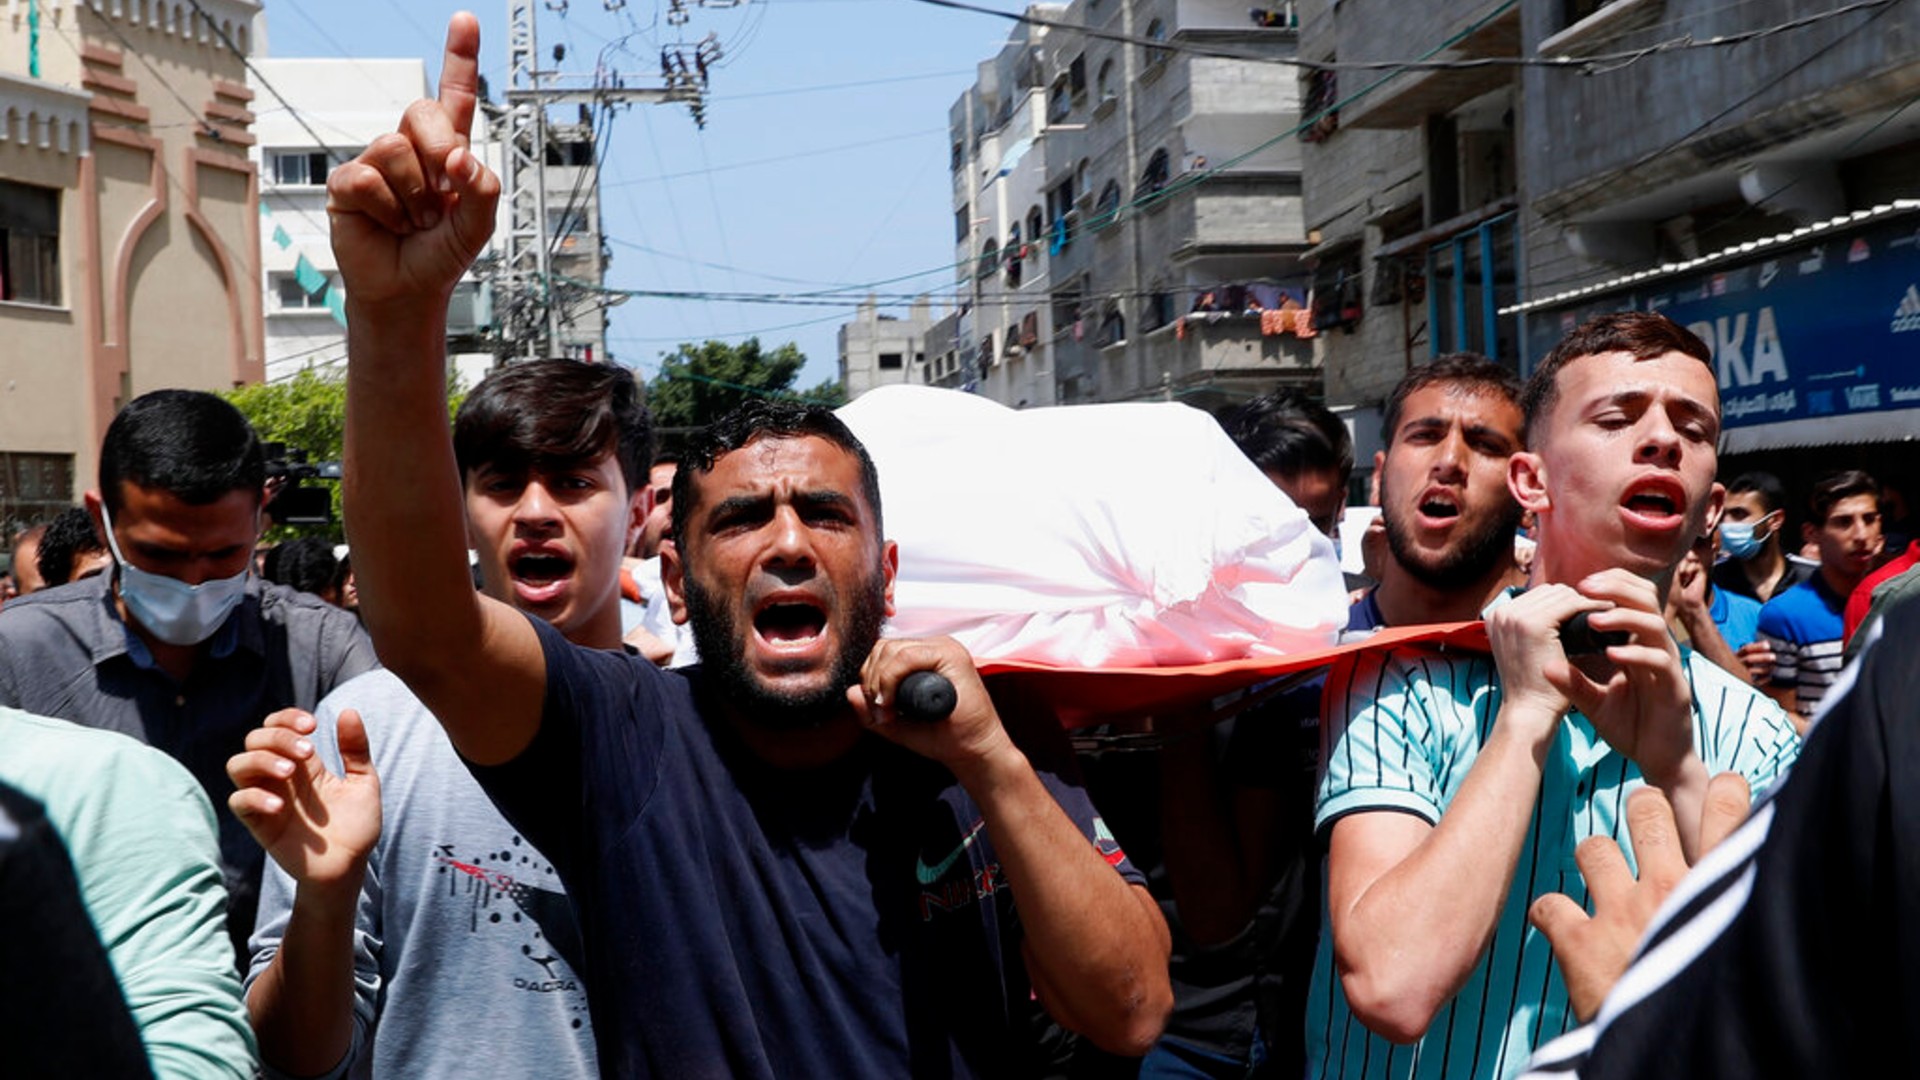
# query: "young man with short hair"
{"points": [[1756, 565], [660, 518], [180, 646], [1457, 785], [1804, 624], [1302, 447], [1441, 482], [775, 873], [549, 453]]}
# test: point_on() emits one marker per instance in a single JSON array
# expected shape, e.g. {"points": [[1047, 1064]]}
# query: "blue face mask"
{"points": [[172, 610], [1741, 539]]}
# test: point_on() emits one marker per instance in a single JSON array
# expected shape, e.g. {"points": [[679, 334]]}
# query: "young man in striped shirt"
{"points": [[1457, 785], [1803, 624]]}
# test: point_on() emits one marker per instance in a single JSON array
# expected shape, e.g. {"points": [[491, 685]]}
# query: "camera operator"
{"points": [[180, 646]]}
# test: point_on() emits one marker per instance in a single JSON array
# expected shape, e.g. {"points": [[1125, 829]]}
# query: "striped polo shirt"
{"points": [[1401, 730], [1805, 628]]}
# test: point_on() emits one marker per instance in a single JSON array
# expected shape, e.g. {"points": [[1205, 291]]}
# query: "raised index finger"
{"points": [[460, 72]]}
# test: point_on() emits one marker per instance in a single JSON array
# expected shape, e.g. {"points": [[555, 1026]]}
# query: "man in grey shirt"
{"points": [[179, 646], [457, 930]]}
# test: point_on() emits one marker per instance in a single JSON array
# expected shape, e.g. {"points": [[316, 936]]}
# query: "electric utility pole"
{"points": [[531, 315]]}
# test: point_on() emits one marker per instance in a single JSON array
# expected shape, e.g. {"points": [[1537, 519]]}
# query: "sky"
{"points": [[823, 162]]}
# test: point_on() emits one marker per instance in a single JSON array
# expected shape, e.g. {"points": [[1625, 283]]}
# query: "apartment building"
{"points": [[1127, 217]]}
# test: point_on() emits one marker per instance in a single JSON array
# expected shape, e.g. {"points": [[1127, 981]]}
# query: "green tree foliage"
{"points": [[308, 412], [698, 384]]}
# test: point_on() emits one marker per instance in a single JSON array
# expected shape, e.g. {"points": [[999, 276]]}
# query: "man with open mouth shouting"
{"points": [[775, 873], [418, 874], [1455, 789]]}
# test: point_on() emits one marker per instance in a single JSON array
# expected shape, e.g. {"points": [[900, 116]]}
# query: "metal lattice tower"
{"points": [[530, 319], [531, 315]]}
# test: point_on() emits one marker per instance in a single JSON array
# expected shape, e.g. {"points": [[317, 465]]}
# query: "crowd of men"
{"points": [[364, 819]]}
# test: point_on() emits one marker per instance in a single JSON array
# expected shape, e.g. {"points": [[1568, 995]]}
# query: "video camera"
{"points": [[290, 502]]}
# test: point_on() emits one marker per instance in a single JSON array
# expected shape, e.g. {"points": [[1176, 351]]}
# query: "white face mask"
{"points": [[172, 610]]}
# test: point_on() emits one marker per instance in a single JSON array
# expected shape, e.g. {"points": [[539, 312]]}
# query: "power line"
{"points": [[269, 87], [1595, 189], [1170, 189], [827, 87], [1592, 64], [723, 266], [817, 152], [673, 209], [719, 218], [736, 334]]}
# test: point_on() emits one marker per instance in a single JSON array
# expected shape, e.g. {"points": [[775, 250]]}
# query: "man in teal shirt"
{"points": [[141, 836], [1457, 785]]}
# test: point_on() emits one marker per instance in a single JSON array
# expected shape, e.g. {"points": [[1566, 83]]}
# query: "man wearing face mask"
{"points": [[179, 645], [1750, 539]]}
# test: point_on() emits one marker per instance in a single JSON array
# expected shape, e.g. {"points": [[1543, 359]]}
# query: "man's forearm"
{"points": [[1098, 950], [1707, 640], [400, 487], [302, 1004], [1408, 940]]}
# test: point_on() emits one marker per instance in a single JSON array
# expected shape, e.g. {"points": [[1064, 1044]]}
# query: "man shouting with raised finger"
{"points": [[774, 873], [1456, 788]]}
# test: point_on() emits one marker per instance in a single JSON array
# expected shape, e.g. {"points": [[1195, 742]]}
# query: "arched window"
{"points": [[989, 260], [1156, 31], [1059, 101], [1036, 224], [1113, 327], [1107, 210], [1104, 81], [1015, 255], [1155, 178]]}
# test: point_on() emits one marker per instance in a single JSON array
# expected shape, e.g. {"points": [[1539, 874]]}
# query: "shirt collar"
{"points": [[114, 636]]}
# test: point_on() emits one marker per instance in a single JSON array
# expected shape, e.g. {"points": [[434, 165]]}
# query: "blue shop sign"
{"points": [[1829, 328]]}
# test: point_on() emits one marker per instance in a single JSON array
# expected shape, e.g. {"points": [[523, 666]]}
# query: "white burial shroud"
{"points": [[1090, 536]]}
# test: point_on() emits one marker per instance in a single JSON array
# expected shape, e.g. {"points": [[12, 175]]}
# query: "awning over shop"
{"points": [[1815, 334]]}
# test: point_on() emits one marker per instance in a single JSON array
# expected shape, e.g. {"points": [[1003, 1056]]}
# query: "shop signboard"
{"points": [[1825, 329]]}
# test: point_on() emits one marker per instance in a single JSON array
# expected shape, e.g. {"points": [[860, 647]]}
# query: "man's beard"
{"points": [[723, 654], [1467, 561]]}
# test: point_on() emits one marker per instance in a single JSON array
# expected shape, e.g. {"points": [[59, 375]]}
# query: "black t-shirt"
{"points": [[1793, 949], [1731, 575], [1257, 981], [738, 920]]}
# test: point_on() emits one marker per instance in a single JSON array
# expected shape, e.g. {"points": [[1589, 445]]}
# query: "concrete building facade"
{"points": [[1765, 194], [1760, 190], [128, 205], [1411, 185], [1125, 212], [579, 248], [333, 109], [883, 350]]}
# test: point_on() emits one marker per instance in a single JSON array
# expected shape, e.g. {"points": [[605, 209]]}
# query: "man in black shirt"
{"points": [[774, 873]]}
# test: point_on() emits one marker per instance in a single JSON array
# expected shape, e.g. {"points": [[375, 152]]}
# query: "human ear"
{"points": [[1527, 481], [672, 580], [890, 566], [1716, 506]]}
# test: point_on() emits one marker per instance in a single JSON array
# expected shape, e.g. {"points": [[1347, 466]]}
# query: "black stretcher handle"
{"points": [[1579, 638], [925, 696]]}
